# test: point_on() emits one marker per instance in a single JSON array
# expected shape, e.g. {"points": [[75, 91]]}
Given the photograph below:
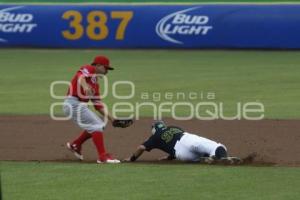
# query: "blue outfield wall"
{"points": [[150, 26]]}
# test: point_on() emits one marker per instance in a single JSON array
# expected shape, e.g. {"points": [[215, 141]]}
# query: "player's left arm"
{"points": [[100, 106], [140, 150], [103, 110]]}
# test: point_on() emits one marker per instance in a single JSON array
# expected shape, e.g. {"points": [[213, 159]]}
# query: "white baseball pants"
{"points": [[191, 147], [82, 115]]}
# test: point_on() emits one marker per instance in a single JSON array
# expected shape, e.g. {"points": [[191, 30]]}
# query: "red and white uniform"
{"points": [[75, 90], [75, 104]]}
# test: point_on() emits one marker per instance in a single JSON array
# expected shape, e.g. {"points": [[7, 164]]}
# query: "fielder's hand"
{"points": [[122, 123]]}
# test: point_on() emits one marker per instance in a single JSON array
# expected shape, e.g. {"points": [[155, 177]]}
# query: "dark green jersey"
{"points": [[164, 139]]}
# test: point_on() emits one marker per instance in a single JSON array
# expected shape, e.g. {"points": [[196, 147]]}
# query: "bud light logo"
{"points": [[15, 22], [182, 23]]}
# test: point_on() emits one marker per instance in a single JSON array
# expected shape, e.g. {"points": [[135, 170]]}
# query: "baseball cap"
{"points": [[102, 60], [157, 126]]}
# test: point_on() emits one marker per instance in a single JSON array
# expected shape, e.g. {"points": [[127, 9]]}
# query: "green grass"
{"points": [[74, 181], [270, 77]]}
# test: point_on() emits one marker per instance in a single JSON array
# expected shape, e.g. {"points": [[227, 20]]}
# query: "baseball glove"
{"points": [[122, 123]]}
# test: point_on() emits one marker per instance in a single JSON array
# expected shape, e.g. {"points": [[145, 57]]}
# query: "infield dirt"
{"points": [[26, 138]]}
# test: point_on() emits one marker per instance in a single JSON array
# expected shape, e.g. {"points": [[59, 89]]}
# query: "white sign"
{"points": [[15, 22], [182, 23]]}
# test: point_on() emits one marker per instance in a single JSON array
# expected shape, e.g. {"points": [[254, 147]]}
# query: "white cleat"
{"points": [[75, 151], [113, 161], [107, 158]]}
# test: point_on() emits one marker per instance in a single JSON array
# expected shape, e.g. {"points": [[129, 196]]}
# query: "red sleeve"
{"points": [[98, 105]]}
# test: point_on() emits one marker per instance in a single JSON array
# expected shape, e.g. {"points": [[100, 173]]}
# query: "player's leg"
{"points": [[183, 151], [202, 146], [95, 125], [87, 120], [217, 152], [70, 108], [220, 152], [76, 145], [206, 148], [221, 156], [84, 136]]}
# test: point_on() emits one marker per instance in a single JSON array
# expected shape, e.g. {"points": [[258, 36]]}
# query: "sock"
{"points": [[82, 138], [99, 142]]}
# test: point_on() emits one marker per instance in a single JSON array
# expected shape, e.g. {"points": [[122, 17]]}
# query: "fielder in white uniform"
{"points": [[180, 145]]}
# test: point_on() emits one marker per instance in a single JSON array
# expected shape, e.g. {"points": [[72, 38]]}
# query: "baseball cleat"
{"points": [[107, 158], [75, 150], [231, 161], [206, 160], [109, 161]]}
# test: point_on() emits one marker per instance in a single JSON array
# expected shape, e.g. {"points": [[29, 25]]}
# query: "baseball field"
{"points": [[220, 89], [148, 1], [36, 165]]}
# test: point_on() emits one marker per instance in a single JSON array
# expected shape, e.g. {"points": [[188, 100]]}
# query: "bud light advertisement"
{"points": [[151, 26]]}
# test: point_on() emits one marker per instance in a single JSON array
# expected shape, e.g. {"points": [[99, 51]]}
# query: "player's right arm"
{"points": [[83, 74], [85, 86], [139, 151], [148, 145], [104, 112]]}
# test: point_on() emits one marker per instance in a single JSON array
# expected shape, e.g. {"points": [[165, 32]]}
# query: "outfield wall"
{"points": [[151, 26]]}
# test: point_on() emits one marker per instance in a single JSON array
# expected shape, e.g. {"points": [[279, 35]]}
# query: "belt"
{"points": [[72, 97], [77, 98]]}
